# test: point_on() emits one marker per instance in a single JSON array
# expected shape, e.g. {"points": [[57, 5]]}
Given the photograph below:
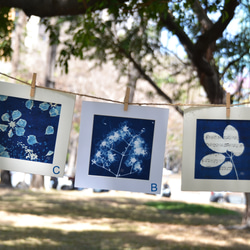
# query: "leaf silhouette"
{"points": [[3, 98], [16, 114], [122, 152], [19, 131], [231, 139], [2, 148], [3, 127], [231, 134], [226, 168], [32, 140], [238, 149], [5, 117], [212, 160], [29, 104], [226, 146], [215, 142]]}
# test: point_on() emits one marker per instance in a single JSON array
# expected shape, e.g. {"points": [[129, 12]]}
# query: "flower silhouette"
{"points": [[225, 149], [14, 124], [28, 128], [54, 109]]}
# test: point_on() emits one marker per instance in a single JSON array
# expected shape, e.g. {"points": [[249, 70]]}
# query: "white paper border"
{"points": [[84, 180], [189, 183], [67, 100]]}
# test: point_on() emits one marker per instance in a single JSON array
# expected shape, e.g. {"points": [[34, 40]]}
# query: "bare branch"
{"points": [[169, 22], [232, 63], [202, 15], [215, 32], [149, 79]]}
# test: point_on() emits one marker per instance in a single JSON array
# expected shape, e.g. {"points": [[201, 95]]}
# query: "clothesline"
{"points": [[130, 103]]}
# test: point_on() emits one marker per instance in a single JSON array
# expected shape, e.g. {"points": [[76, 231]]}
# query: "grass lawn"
{"points": [[113, 220]]}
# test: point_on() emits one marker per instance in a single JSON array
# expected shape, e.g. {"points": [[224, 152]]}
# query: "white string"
{"points": [[131, 103]]}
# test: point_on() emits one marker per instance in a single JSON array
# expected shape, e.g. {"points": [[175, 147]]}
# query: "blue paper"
{"points": [[222, 149], [121, 147], [28, 129]]}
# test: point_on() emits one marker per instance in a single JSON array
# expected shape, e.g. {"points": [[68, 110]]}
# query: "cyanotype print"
{"points": [[222, 149], [121, 147], [28, 129]]}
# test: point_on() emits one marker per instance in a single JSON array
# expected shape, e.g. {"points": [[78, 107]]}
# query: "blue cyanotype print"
{"points": [[121, 147], [222, 149], [28, 129]]}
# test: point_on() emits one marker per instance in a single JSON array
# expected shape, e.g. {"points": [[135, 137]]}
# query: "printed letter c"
{"points": [[54, 170]]}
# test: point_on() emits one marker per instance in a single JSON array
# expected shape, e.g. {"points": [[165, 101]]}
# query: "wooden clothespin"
{"points": [[228, 103], [126, 99], [33, 85]]}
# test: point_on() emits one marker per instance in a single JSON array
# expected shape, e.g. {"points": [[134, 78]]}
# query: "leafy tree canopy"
{"points": [[6, 27], [128, 32]]}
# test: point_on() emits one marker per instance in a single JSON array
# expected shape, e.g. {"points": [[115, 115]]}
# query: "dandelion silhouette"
{"points": [[225, 148], [121, 147]]}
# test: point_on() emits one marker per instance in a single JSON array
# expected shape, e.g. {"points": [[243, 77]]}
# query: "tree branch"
{"points": [[169, 22], [232, 63], [202, 16], [210, 36], [196, 52], [215, 32], [148, 78]]}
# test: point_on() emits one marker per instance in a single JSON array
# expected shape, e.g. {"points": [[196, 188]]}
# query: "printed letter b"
{"points": [[153, 187]]}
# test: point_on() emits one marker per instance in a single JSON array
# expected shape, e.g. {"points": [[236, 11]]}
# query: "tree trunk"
{"points": [[37, 181], [246, 218], [50, 66], [6, 177], [211, 84], [72, 154], [18, 40], [133, 76]]}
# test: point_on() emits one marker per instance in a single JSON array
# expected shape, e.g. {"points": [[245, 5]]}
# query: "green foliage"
{"points": [[182, 207], [102, 36], [78, 220], [129, 32], [53, 30], [6, 27], [76, 127]]}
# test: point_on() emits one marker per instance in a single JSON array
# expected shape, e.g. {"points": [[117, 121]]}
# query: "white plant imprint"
{"points": [[131, 155], [225, 148]]}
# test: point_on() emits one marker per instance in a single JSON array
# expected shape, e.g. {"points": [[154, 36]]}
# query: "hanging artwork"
{"points": [[34, 132], [216, 150], [121, 150]]}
